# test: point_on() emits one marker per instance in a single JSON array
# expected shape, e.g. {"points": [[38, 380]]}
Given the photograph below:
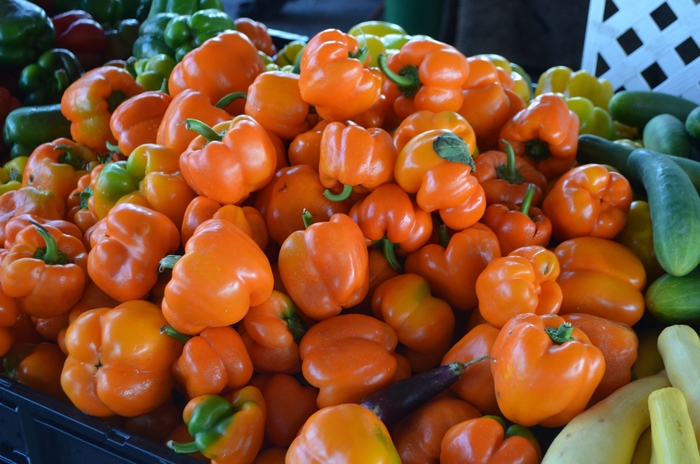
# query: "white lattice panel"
{"points": [[645, 44]]}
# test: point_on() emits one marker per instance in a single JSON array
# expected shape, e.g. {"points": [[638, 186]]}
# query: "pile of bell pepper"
{"points": [[241, 250]]}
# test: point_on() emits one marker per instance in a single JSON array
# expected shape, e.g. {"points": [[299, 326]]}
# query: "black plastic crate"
{"points": [[36, 428]]}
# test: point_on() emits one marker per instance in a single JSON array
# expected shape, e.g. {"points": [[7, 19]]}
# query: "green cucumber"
{"points": [[28, 127], [675, 300], [692, 124], [674, 206], [665, 133], [637, 107], [594, 149]]}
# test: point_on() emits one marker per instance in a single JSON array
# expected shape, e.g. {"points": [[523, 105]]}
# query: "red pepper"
{"points": [[77, 31]]}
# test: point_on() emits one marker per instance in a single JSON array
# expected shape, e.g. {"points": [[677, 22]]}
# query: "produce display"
{"points": [[364, 248]]}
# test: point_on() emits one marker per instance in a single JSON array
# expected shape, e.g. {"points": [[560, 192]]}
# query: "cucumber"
{"points": [[637, 107], [674, 206], [594, 149], [675, 300], [692, 124], [665, 133]]}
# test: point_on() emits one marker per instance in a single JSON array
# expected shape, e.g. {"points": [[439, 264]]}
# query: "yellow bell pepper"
{"points": [[562, 79], [11, 174]]}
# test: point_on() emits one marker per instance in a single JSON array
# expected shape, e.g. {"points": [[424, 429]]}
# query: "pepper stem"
{"points": [[508, 171], [527, 200], [228, 99], [179, 336], [203, 129], [69, 156], [168, 262], [296, 326], [407, 79], [443, 236], [389, 255], [360, 55], [62, 81], [537, 150], [50, 254], [347, 190], [182, 448], [307, 218], [561, 334]]}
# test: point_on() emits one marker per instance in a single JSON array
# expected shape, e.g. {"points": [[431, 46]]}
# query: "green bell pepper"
{"points": [[113, 182], [152, 73], [26, 31], [102, 11], [120, 40], [151, 39], [43, 82], [183, 7], [136, 9], [29, 126], [593, 119], [187, 32]]}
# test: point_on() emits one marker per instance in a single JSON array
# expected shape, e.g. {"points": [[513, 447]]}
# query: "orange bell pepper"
{"points": [[436, 166], [325, 267], [189, 104], [206, 70], [38, 366], [485, 440], [118, 361], [424, 120], [136, 120], [389, 218], [423, 323], [518, 225], [429, 75], [19, 222], [292, 191], [418, 436], [45, 270], [156, 425], [381, 114], [617, 341], [58, 166], [228, 168], [228, 267], [213, 362], [127, 247], [452, 267], [198, 210], [46, 204], [78, 202], [88, 103], [475, 386], [588, 200], [305, 148], [601, 277], [545, 132], [522, 282], [486, 104], [257, 33], [379, 271], [506, 177], [347, 433], [544, 360], [9, 313], [285, 418], [274, 100], [333, 76], [354, 158]]}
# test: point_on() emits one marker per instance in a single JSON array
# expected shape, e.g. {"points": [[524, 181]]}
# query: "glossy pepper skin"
{"points": [[546, 132], [29, 200], [325, 267], [428, 74], [333, 77], [45, 270], [43, 82], [355, 158], [524, 281], [216, 245], [545, 361], [38, 366], [348, 432], [258, 33], [204, 70], [570, 83], [118, 361], [436, 166], [588, 200], [226, 429], [88, 104], [593, 119], [601, 277], [136, 120], [452, 266], [127, 246], [25, 32], [423, 120], [58, 166], [186, 32], [228, 168], [485, 440], [274, 100], [212, 362]]}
